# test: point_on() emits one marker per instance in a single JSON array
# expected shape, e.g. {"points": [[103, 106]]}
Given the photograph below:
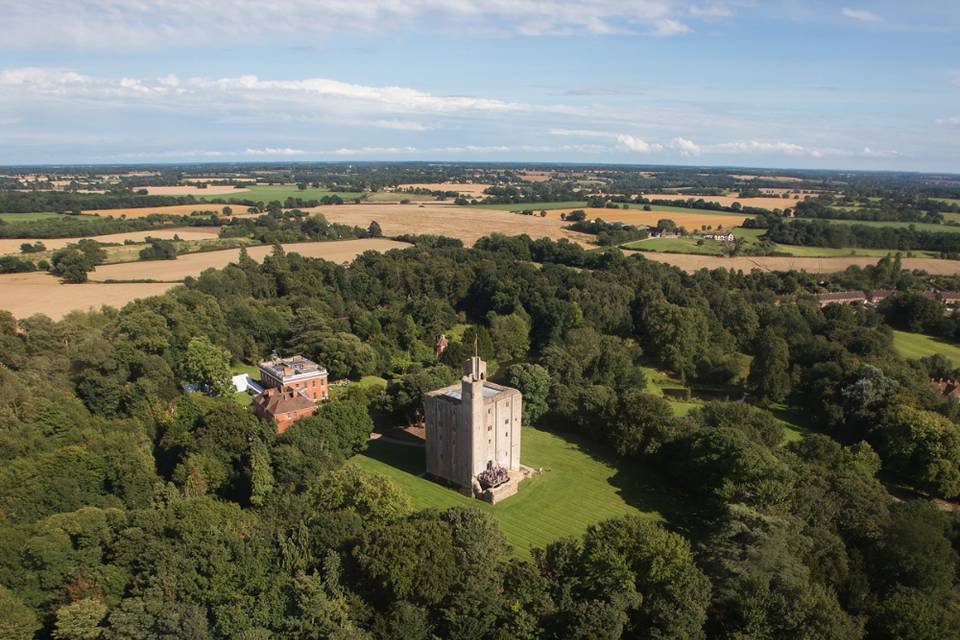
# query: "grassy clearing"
{"points": [[576, 489], [366, 382], [536, 206], [271, 192], [917, 345]]}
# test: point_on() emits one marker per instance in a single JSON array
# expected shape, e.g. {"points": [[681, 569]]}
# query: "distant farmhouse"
{"points": [[473, 435], [722, 237], [291, 388]]}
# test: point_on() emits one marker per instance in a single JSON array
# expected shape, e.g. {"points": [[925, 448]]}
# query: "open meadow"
{"points": [[466, 223], [917, 345], [578, 488], [194, 264], [12, 245]]}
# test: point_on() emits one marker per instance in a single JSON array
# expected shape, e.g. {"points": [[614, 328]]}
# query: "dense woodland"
{"points": [[131, 510], [821, 233]]}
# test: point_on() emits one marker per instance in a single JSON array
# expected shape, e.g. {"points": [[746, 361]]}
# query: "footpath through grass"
{"points": [[576, 489], [917, 345]]}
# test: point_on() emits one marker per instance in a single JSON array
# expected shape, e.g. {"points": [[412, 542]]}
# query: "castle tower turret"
{"points": [[471, 412]]}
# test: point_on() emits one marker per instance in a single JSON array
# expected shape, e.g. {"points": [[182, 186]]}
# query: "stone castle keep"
{"points": [[473, 434]]}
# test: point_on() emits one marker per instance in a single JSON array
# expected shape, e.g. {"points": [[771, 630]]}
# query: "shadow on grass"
{"points": [[409, 459], [640, 485]]}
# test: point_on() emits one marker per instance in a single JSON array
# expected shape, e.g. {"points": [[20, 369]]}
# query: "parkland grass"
{"points": [[917, 345], [38, 215], [577, 489]]}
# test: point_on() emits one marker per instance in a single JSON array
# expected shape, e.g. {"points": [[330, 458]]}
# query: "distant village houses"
{"points": [[722, 237]]}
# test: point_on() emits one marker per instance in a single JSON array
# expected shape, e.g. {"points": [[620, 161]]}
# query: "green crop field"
{"points": [[39, 215], [280, 192], [536, 206], [917, 345], [575, 490], [919, 226]]}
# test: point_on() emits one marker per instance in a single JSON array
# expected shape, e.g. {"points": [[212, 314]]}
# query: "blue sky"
{"points": [[779, 83]]}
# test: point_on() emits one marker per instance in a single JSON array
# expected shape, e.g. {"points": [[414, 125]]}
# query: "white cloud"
{"points": [[670, 27], [118, 24], [633, 143], [275, 151], [685, 147], [10, 121], [951, 121], [862, 15], [869, 152]]}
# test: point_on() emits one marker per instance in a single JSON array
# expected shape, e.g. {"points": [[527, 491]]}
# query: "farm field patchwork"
{"points": [[691, 263], [12, 245], [170, 210], [38, 215], [24, 294], [918, 345], [469, 189], [466, 223], [919, 226], [280, 192], [189, 190], [689, 221], [576, 490], [195, 263], [536, 206], [726, 201]]}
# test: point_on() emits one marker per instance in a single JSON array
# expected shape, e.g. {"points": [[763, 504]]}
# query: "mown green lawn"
{"points": [[575, 490], [536, 206], [271, 192], [917, 345]]}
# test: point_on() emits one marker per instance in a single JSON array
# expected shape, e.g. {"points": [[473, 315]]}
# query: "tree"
{"points": [[80, 620], [207, 366], [770, 370], [641, 424], [533, 381], [510, 335], [374, 230], [921, 446], [158, 249], [678, 335], [71, 265], [17, 621]]}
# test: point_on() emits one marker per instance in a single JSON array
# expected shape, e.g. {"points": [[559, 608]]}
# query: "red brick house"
{"points": [[296, 373], [291, 389], [283, 406]]}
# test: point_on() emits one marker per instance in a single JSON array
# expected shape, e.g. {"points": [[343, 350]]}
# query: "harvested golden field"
{"points": [[24, 294], [726, 201], [536, 176], [691, 263], [466, 223], [187, 190], [218, 178], [170, 210], [193, 264], [690, 221], [468, 188], [12, 245]]}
